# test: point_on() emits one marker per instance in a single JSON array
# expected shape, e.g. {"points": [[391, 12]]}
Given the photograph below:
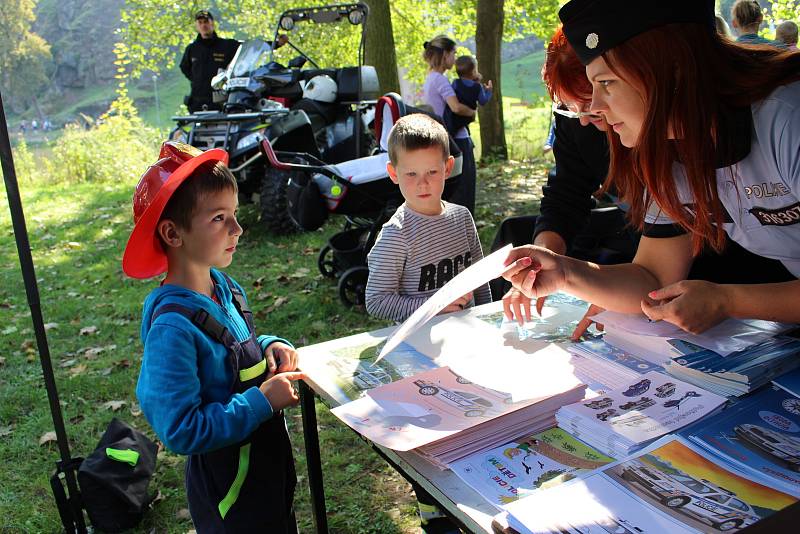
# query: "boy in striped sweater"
{"points": [[427, 241]]}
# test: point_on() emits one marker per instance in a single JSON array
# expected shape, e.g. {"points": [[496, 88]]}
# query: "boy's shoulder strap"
{"points": [[202, 320], [240, 302]]}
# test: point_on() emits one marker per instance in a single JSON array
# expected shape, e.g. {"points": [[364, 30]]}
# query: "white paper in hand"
{"points": [[477, 274]]}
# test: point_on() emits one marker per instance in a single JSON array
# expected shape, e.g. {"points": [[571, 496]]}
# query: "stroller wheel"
{"points": [[353, 285], [325, 262]]}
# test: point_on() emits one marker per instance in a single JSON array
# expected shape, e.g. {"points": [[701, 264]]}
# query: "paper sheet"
{"points": [[479, 273]]}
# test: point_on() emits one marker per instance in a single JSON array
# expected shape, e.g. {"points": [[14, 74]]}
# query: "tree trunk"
{"points": [[488, 38], [380, 45]]}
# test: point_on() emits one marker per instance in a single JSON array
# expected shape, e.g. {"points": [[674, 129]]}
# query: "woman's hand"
{"points": [[587, 321], [534, 271], [516, 305], [692, 305]]}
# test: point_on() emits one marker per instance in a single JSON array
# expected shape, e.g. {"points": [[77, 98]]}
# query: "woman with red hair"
{"points": [[706, 142]]}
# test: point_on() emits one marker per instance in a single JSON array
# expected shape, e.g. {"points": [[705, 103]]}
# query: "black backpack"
{"points": [[113, 479]]}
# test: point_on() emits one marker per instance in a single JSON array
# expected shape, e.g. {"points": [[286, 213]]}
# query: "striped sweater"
{"points": [[417, 254]]}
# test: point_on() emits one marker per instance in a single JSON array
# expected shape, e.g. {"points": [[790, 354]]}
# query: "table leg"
{"points": [[313, 461]]}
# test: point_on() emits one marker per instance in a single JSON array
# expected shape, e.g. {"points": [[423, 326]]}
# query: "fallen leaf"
{"points": [[308, 251], [47, 437], [263, 296], [282, 279], [135, 410], [259, 282], [183, 514], [2, 360], [50, 326], [73, 244], [9, 330], [300, 273], [124, 363], [280, 301], [78, 369], [86, 330], [69, 363], [106, 371], [6, 430], [113, 405]]}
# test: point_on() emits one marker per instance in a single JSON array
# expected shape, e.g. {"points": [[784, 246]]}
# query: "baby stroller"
{"points": [[360, 190]]}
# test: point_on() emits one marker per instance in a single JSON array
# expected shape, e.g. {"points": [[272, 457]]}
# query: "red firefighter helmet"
{"points": [[144, 257]]}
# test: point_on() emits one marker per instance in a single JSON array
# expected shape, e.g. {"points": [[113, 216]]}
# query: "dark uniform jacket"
{"points": [[582, 158], [201, 61]]}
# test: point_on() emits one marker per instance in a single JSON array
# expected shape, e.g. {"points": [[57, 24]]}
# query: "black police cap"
{"points": [[203, 14], [593, 27]]}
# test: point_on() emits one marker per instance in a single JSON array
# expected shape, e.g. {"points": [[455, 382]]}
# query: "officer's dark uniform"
{"points": [[202, 59]]}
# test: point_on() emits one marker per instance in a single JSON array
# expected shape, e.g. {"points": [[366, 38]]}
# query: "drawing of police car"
{"points": [[638, 388], [362, 377], [699, 499], [778, 446], [641, 404], [472, 405], [599, 404], [665, 390]]}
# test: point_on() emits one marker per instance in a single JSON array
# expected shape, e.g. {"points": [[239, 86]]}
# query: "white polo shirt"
{"points": [[761, 192]]}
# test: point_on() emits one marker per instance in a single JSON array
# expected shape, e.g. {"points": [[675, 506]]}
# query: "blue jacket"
{"points": [[471, 93], [184, 383]]}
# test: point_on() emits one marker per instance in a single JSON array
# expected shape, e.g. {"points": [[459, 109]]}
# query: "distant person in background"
{"points": [[203, 58], [440, 55], [786, 32], [470, 91], [722, 27], [746, 18]]}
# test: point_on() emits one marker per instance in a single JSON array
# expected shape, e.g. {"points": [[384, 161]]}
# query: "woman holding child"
{"points": [[706, 137], [440, 55]]}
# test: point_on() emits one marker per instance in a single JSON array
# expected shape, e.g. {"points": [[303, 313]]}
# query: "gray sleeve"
{"points": [[386, 262], [788, 151], [481, 294]]}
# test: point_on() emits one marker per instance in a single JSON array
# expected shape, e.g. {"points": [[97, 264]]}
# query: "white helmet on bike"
{"points": [[321, 88]]}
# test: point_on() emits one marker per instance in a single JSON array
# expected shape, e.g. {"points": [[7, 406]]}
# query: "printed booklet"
{"points": [[544, 460], [760, 434], [671, 486], [623, 420]]}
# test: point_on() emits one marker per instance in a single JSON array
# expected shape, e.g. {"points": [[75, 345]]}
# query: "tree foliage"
{"points": [[24, 55]]}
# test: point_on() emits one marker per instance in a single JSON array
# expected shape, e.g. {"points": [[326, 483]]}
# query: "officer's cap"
{"points": [[593, 27], [203, 14]]}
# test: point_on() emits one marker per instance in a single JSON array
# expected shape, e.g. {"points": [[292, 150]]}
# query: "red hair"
{"points": [[563, 73], [690, 79]]}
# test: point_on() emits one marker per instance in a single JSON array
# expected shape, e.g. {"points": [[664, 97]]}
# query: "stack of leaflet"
{"points": [[759, 434], [446, 417], [671, 486], [730, 359], [741, 372], [624, 420]]}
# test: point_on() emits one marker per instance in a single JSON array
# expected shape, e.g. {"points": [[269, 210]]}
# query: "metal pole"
{"points": [[32, 292], [313, 461]]}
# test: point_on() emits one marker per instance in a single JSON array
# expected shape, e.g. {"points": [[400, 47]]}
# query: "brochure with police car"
{"points": [[623, 420], [505, 474], [452, 416], [760, 433], [671, 486]]}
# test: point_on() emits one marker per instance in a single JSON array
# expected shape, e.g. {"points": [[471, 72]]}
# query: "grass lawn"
{"points": [[78, 232]]}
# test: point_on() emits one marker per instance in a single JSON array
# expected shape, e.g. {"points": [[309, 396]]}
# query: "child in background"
{"points": [[469, 90], [786, 33], [425, 244], [208, 386]]}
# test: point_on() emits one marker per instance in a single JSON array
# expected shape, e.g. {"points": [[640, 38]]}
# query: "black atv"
{"points": [[264, 100]]}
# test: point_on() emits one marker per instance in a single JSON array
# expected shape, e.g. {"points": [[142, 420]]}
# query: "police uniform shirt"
{"points": [[760, 192]]}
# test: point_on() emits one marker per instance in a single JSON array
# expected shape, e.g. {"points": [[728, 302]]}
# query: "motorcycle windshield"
{"points": [[252, 55]]}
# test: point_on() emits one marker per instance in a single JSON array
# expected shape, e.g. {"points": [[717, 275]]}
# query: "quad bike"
{"points": [[322, 112]]}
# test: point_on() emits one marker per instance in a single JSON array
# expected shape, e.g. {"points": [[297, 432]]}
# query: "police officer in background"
{"points": [[203, 58]]}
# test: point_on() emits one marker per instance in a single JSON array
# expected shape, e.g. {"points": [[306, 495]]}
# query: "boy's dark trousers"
{"points": [[265, 495], [249, 486]]}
